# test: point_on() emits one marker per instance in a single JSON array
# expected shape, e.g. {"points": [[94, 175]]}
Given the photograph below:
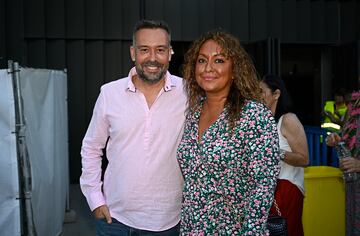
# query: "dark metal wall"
{"points": [[91, 38]]}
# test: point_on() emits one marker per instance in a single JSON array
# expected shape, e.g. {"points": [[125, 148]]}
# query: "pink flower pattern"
{"points": [[230, 177], [351, 136], [349, 131]]}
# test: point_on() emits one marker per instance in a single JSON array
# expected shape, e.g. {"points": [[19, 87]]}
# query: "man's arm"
{"points": [[91, 153]]}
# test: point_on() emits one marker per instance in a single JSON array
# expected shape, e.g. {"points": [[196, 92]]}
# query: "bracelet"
{"points": [[282, 155]]}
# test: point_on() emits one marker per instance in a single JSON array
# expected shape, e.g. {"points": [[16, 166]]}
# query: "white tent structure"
{"points": [[34, 177]]}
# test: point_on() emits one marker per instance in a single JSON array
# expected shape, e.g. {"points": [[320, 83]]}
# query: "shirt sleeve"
{"points": [[263, 168], [92, 152]]}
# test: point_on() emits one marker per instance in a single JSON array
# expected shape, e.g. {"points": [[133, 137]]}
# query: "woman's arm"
{"points": [[262, 155], [293, 131]]}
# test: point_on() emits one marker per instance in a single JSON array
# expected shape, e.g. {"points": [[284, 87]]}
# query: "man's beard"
{"points": [[151, 78]]}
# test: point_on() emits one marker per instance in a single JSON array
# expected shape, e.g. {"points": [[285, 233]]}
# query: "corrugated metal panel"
{"points": [[94, 15], [55, 19], [56, 54], [289, 21], [240, 19], [332, 21], [126, 62], [14, 32], [206, 16], [189, 20], [75, 57], [222, 14], [274, 19], [113, 20], [34, 18], [303, 21], [112, 60], [3, 62], [36, 53], [154, 9], [75, 19], [258, 15], [131, 14], [350, 20], [94, 73], [317, 21], [172, 16]]}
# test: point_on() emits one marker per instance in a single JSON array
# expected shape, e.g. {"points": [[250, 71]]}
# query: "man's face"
{"points": [[151, 54], [339, 99]]}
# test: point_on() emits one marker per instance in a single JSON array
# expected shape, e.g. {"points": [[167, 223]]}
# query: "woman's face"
{"points": [[268, 95], [213, 71]]}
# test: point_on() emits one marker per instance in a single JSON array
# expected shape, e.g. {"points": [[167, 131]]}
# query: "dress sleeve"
{"points": [[262, 153], [91, 153]]}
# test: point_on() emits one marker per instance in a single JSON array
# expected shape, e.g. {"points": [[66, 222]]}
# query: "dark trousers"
{"points": [[117, 228]]}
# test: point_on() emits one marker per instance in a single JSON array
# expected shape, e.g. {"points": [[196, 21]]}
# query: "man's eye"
{"points": [[144, 50], [161, 50]]}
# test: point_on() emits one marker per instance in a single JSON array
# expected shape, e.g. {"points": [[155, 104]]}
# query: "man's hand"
{"points": [[102, 212]]}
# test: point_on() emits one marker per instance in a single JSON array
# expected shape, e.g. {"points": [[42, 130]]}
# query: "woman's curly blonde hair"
{"points": [[246, 82]]}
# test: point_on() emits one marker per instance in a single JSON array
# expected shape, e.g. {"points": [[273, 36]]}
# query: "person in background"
{"points": [[289, 193], [335, 111], [350, 134], [140, 118], [229, 153]]}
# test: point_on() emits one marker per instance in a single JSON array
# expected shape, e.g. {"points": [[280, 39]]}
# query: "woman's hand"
{"points": [[350, 164]]}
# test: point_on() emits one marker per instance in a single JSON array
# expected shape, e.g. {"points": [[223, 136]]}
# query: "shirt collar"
{"points": [[169, 82]]}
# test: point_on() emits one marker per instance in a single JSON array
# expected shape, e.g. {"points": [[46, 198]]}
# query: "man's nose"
{"points": [[152, 55]]}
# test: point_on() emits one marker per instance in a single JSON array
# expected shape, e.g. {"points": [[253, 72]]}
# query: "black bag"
{"points": [[276, 224]]}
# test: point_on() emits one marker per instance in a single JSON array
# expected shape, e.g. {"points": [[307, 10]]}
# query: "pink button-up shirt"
{"points": [[143, 183]]}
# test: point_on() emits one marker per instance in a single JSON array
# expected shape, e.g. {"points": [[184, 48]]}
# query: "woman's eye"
{"points": [[219, 60], [200, 61]]}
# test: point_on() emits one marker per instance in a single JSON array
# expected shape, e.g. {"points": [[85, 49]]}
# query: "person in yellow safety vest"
{"points": [[335, 112]]}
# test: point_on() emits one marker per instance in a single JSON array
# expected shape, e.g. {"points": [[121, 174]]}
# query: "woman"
{"points": [[229, 152], [289, 192], [350, 134]]}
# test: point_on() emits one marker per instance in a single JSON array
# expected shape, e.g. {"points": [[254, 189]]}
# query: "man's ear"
{"points": [[171, 53], [132, 53]]}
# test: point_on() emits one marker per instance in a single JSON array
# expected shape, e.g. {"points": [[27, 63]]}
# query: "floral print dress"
{"points": [[230, 177], [351, 135]]}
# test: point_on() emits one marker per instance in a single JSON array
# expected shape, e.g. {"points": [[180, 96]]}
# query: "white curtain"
{"points": [[44, 95], [9, 185]]}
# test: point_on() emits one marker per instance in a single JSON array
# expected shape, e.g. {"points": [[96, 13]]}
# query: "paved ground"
{"points": [[83, 224]]}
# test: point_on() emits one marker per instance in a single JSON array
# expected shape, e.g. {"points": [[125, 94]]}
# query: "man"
{"points": [[141, 118], [335, 111]]}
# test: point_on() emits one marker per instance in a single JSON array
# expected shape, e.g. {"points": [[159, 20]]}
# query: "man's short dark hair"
{"points": [[151, 24]]}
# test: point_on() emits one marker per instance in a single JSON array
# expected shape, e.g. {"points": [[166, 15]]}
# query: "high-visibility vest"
{"points": [[330, 108]]}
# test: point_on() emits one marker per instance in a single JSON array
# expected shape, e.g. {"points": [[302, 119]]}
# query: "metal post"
{"points": [[28, 226]]}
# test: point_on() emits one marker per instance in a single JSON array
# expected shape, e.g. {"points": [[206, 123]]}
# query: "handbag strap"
{"points": [[277, 207]]}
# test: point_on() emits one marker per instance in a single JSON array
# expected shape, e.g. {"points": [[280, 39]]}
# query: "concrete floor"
{"points": [[80, 217]]}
